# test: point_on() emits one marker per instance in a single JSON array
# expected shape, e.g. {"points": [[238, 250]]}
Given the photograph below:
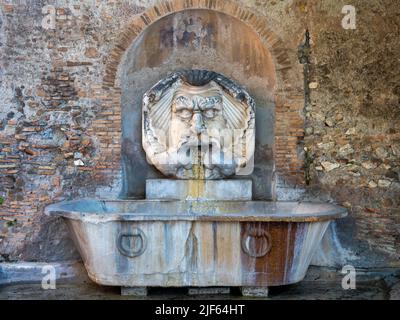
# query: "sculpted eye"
{"points": [[182, 107], [210, 113], [185, 113]]}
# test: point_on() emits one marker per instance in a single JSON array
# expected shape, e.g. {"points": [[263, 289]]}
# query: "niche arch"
{"points": [[218, 36]]}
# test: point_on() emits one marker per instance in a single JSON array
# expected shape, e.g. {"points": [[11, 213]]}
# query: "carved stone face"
{"points": [[198, 131], [195, 112]]}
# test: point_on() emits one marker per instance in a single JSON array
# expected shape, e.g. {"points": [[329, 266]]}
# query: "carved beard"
{"points": [[203, 158]]}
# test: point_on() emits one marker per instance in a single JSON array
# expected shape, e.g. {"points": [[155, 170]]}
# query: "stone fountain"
{"points": [[198, 227]]}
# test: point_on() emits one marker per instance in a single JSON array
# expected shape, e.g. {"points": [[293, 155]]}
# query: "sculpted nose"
{"points": [[197, 123]]}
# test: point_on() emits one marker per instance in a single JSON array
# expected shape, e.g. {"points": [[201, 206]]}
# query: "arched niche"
{"points": [[198, 39]]}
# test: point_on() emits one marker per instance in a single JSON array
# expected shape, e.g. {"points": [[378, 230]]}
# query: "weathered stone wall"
{"points": [[353, 123], [337, 140]]}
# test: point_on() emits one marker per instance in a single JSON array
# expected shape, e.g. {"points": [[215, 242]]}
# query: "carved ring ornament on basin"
{"points": [[134, 250], [256, 243]]}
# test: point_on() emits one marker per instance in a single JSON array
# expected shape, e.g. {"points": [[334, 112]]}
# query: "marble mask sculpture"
{"points": [[199, 125]]}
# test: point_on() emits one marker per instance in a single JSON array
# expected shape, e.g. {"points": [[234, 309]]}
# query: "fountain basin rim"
{"points": [[192, 210]]}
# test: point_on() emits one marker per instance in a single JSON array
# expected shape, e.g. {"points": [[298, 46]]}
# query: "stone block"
{"points": [[199, 189]]}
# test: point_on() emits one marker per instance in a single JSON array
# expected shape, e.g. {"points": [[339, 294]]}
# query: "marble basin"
{"points": [[169, 243]]}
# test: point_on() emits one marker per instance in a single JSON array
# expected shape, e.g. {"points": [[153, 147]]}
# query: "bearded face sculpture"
{"points": [[198, 125]]}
